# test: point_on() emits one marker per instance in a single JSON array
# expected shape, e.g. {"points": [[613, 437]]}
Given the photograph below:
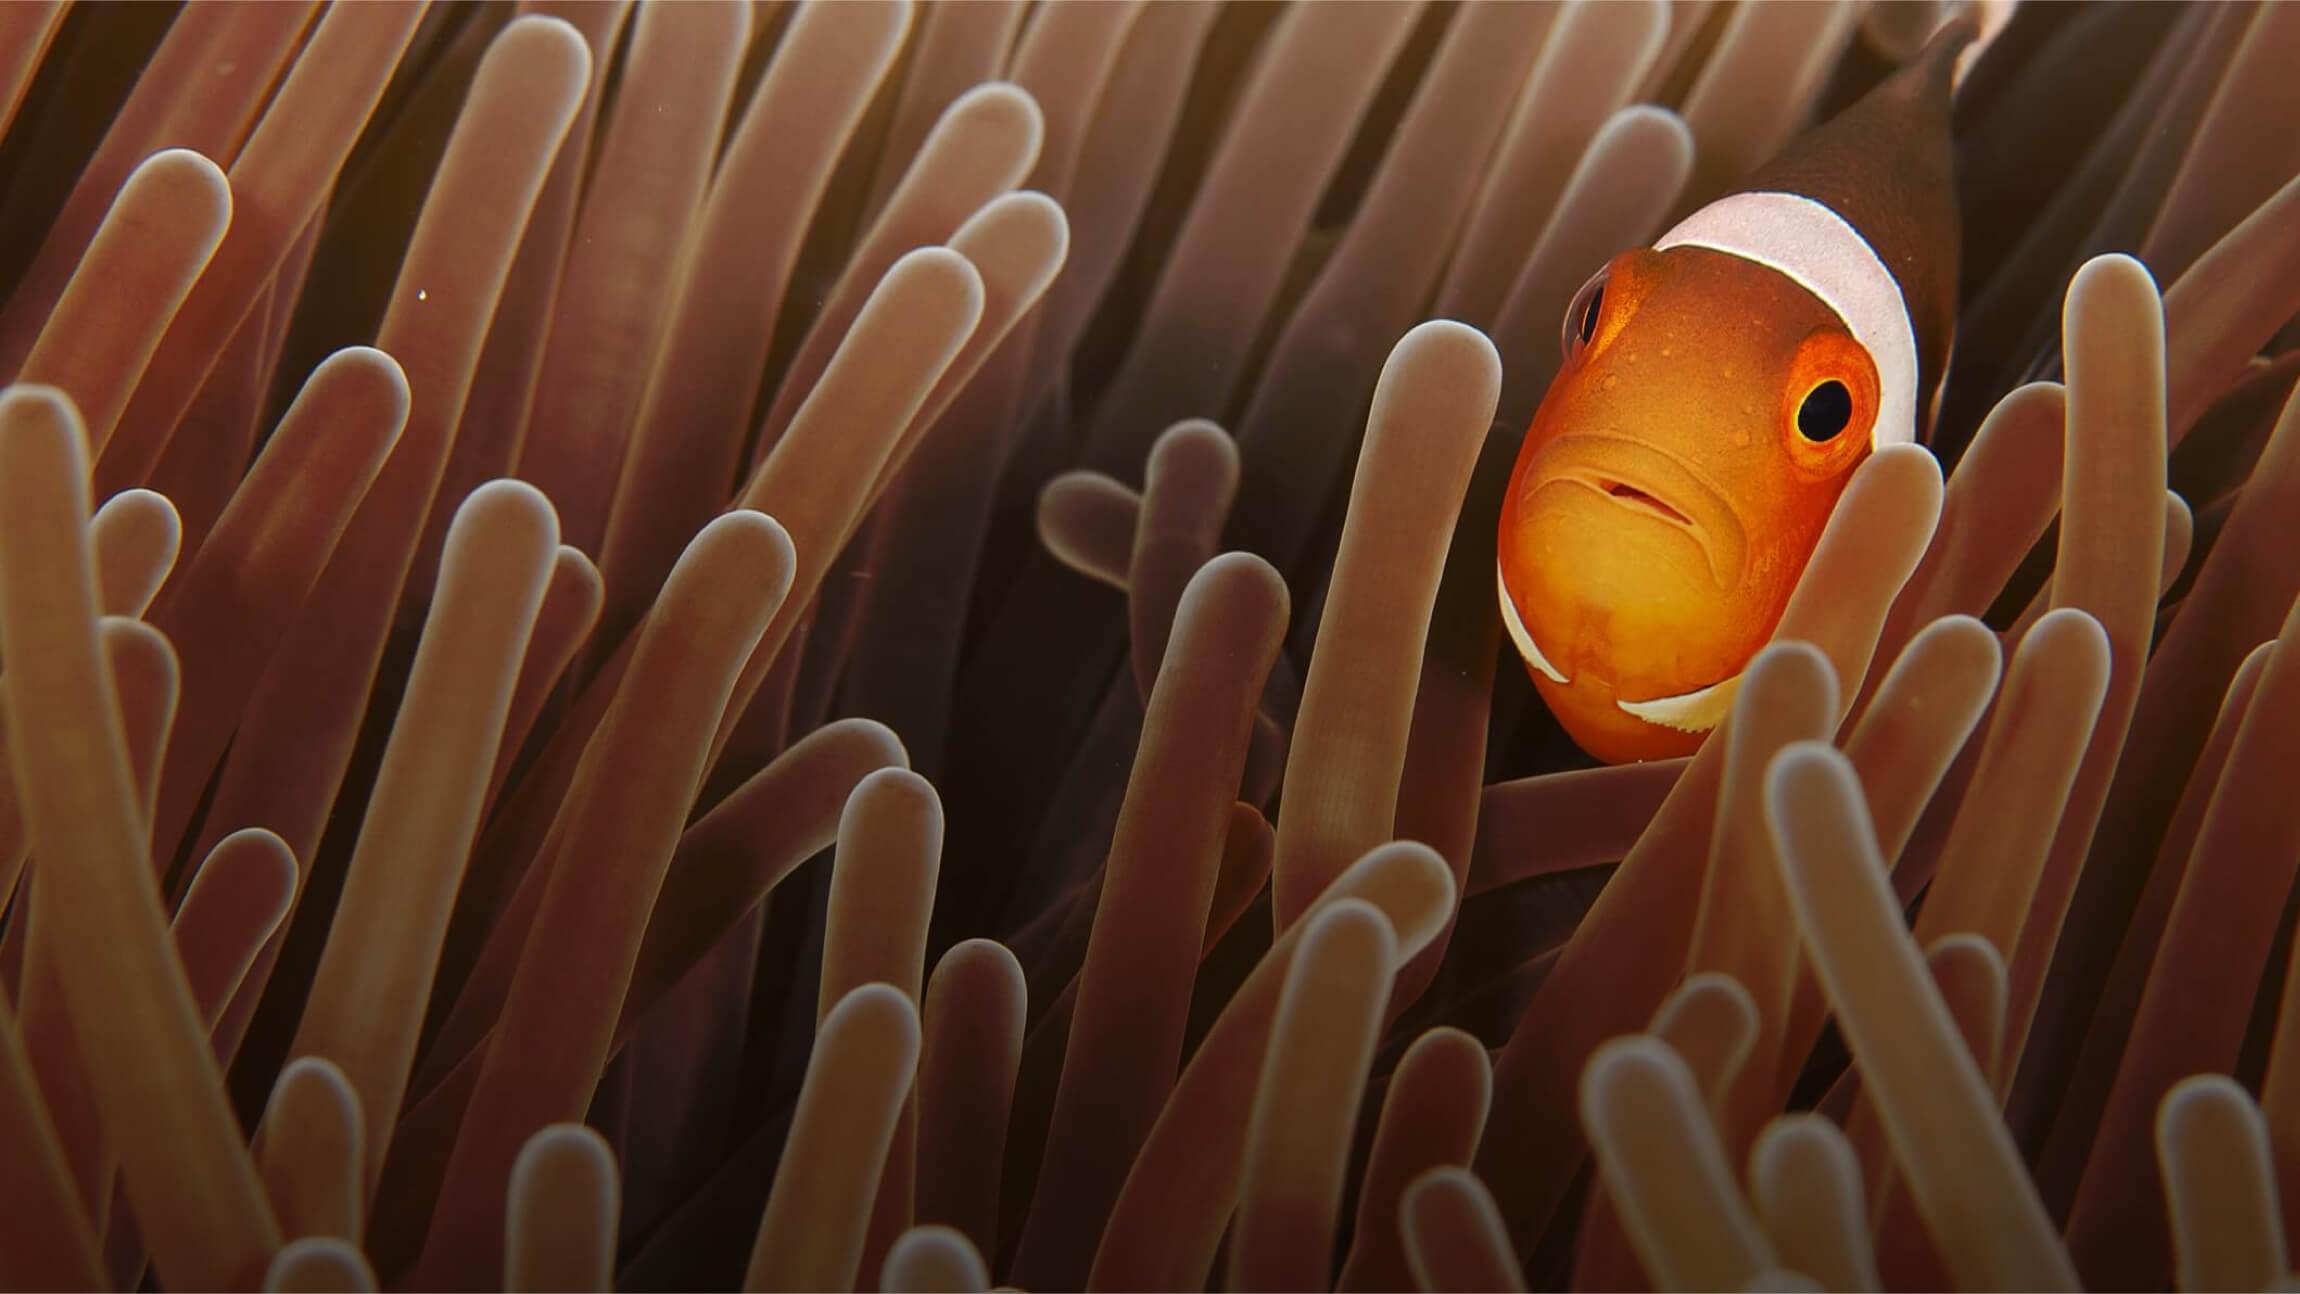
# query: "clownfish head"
{"points": [[1717, 393]]}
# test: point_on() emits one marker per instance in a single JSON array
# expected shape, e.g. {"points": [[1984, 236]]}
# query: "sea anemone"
{"points": [[660, 645]]}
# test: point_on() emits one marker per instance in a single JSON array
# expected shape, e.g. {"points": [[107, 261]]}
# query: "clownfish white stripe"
{"points": [[1517, 634], [1826, 256], [1693, 712]]}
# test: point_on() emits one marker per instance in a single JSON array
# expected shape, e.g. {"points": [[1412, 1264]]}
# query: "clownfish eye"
{"points": [[1826, 411], [1581, 317], [1828, 404]]}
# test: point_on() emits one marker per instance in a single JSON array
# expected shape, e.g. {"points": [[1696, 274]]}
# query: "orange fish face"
{"points": [[1671, 489]]}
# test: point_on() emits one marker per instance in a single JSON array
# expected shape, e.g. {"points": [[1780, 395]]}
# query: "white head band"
{"points": [[1828, 257]]}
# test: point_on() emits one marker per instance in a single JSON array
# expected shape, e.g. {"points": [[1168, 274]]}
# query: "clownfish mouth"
{"points": [[1692, 712], [1632, 497], [1518, 636], [1647, 481]]}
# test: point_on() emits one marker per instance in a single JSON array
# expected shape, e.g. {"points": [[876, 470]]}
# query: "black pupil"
{"points": [[1589, 315], [1828, 408]]}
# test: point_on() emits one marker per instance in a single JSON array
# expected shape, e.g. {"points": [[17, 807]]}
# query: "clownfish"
{"points": [[1718, 390]]}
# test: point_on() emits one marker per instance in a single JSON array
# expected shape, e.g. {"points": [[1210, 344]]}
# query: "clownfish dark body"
{"points": [[1719, 389]]}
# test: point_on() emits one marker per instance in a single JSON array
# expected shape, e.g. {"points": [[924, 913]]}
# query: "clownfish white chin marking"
{"points": [[1693, 712], [1517, 633], [1821, 252]]}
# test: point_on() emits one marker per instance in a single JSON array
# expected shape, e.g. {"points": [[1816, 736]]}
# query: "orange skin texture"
{"points": [[1665, 502]]}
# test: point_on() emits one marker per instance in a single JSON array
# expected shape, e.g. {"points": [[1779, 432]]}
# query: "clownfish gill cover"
{"points": [[1357, 645]]}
